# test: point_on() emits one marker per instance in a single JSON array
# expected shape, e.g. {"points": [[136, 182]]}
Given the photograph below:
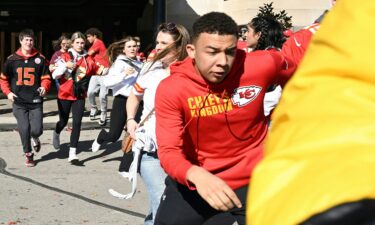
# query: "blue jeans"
{"points": [[153, 176]]}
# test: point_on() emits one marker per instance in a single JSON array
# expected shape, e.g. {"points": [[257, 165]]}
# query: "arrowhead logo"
{"points": [[244, 95]]}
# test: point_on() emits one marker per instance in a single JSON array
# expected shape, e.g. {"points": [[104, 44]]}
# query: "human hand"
{"points": [[131, 126], [213, 189], [52, 67], [11, 96], [70, 65], [129, 71]]}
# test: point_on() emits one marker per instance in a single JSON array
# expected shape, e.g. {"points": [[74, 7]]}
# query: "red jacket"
{"points": [[297, 44], [220, 127], [86, 66]]}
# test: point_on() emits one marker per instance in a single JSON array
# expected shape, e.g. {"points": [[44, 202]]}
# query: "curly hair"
{"points": [[214, 23], [94, 31], [271, 32]]}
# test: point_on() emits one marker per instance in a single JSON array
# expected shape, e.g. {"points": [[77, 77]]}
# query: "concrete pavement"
{"points": [[55, 192]]}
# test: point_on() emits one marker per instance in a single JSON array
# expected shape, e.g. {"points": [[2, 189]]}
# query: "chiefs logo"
{"points": [[244, 95]]}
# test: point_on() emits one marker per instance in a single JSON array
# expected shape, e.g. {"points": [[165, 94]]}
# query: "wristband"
{"points": [[129, 120]]}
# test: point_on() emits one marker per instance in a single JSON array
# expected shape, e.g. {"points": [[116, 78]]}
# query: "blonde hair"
{"points": [[77, 35]]}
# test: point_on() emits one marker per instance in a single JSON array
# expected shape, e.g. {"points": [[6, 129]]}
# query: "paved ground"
{"points": [[55, 192]]}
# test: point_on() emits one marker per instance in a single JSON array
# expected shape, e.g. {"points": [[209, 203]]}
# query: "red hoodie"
{"points": [[220, 127]]}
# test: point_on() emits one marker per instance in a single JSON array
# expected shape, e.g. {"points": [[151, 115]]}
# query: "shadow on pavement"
{"points": [[83, 146]]}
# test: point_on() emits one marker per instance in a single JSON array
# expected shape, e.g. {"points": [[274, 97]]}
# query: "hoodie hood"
{"points": [[76, 54], [33, 53], [187, 69]]}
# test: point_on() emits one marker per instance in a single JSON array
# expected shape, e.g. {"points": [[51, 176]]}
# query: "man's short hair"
{"points": [[214, 23], [26, 33], [94, 31]]}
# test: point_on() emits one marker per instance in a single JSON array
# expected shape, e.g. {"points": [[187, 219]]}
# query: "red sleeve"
{"points": [[285, 67], [4, 83], [93, 68], [46, 82], [45, 77], [95, 47], [169, 132], [296, 45]]}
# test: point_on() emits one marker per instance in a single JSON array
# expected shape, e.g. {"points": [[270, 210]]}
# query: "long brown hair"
{"points": [[116, 48], [181, 38]]}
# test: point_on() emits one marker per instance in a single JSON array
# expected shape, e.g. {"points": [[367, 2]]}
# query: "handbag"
{"points": [[127, 141]]}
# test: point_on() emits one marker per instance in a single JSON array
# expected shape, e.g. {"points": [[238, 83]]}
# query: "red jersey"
{"points": [[100, 56], [220, 127], [297, 44], [86, 66]]}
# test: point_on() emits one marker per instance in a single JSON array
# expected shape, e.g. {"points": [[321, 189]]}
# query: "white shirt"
{"points": [[146, 85], [117, 80]]}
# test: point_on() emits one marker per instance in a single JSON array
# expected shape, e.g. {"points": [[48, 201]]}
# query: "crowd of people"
{"points": [[198, 110]]}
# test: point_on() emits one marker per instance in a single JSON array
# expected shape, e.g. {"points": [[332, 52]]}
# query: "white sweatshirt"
{"points": [[116, 79]]}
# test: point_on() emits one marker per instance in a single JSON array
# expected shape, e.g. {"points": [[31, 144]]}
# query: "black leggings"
{"points": [[118, 120], [78, 107]]}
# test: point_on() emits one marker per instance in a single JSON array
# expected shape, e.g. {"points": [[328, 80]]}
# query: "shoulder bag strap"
{"points": [[132, 65], [146, 118]]}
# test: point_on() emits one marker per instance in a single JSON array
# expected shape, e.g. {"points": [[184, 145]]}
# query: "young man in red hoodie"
{"points": [[210, 123], [25, 81]]}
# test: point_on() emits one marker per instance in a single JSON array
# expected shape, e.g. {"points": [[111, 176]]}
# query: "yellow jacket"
{"points": [[321, 148]]}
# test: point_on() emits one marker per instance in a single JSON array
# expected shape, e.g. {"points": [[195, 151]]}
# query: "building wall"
{"points": [[303, 12]]}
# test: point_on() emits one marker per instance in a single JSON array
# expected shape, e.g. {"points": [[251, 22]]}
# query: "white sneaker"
{"points": [[103, 118], [56, 140], [95, 146], [72, 154], [93, 113]]}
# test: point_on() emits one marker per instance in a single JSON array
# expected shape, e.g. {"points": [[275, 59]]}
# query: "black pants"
{"points": [[29, 123], [77, 107], [182, 206], [118, 120]]}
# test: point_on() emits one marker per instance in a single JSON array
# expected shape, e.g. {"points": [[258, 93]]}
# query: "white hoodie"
{"points": [[117, 80]]}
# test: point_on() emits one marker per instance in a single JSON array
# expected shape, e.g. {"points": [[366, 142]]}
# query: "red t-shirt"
{"points": [[100, 53]]}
